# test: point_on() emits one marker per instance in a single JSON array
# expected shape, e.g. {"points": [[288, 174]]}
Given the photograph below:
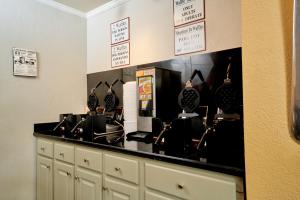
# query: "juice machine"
{"points": [[157, 91]]}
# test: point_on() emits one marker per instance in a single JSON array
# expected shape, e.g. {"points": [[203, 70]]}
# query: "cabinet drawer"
{"points": [[45, 147], [155, 196], [123, 168], [188, 185], [64, 152], [88, 158]]}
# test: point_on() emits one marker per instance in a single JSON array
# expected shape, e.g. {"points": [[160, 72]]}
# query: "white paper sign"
{"points": [[186, 11], [25, 62], [120, 31], [190, 38], [120, 55]]}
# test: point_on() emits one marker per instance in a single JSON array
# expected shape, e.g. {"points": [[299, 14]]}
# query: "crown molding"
{"points": [[70, 10], [105, 7], [63, 7]]}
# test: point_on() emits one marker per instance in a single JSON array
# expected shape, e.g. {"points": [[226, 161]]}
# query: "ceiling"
{"points": [[83, 5]]}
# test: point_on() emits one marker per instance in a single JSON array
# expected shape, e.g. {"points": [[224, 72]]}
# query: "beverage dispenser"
{"points": [[157, 91], [157, 96]]}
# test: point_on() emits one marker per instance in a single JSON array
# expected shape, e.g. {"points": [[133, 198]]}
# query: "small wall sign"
{"points": [[186, 11], [190, 38], [24, 62], [120, 31], [120, 54]]}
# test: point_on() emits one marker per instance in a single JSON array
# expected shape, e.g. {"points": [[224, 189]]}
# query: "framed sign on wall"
{"points": [[190, 38], [120, 31], [295, 93], [24, 62], [120, 55], [187, 11]]}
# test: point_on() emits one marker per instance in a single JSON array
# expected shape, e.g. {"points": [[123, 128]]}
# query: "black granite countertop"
{"points": [[236, 171]]}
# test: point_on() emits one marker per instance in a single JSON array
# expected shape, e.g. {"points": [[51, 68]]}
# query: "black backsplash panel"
{"points": [[212, 65], [109, 76], [225, 144]]}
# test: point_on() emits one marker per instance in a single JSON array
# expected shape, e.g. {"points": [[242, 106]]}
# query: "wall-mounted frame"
{"points": [[190, 38], [120, 54], [120, 31], [187, 11], [296, 72], [24, 62]]}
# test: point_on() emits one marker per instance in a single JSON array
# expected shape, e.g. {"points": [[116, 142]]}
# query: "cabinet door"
{"points": [[88, 185], [63, 181], [44, 178], [117, 190]]}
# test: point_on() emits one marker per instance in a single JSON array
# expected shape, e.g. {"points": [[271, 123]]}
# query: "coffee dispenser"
{"points": [[157, 91]]}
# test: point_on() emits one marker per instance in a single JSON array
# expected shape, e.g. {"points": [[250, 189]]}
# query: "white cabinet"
{"points": [[186, 183], [63, 181], [45, 148], [88, 185], [64, 152], [119, 190], [44, 178], [64, 171], [44, 169], [73, 172], [88, 178], [122, 167], [121, 180], [88, 158]]}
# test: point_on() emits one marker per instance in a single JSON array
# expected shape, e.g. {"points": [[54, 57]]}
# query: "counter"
{"points": [[236, 171]]}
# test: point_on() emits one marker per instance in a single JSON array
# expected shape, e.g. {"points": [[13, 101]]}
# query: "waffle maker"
{"points": [[189, 125], [189, 97], [110, 99], [93, 101]]}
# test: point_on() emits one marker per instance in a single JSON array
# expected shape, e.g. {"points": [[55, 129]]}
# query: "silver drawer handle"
{"points": [[104, 188], [117, 169], [180, 186], [69, 174], [77, 178], [86, 160], [61, 154]]}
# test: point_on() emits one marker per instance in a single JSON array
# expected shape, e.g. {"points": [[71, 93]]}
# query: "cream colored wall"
{"points": [[152, 32], [60, 40], [272, 156]]}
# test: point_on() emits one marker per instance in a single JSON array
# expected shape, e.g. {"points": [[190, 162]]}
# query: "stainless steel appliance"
{"points": [[157, 91]]}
